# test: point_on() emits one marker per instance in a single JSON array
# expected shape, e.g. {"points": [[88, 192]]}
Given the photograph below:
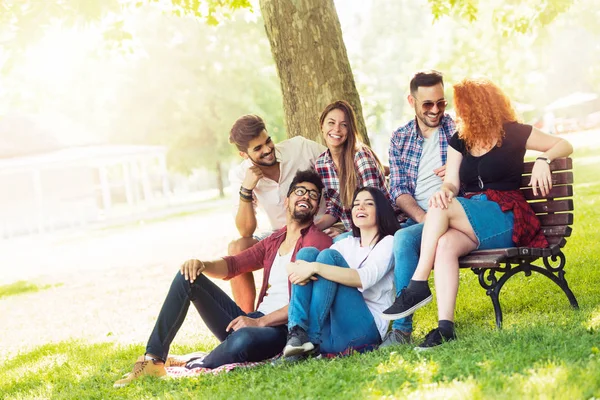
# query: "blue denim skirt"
{"points": [[492, 227]]}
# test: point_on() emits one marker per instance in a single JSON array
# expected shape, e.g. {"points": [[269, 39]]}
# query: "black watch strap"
{"points": [[546, 159]]}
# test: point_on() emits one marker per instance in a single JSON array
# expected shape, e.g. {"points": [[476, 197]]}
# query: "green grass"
{"points": [[19, 288], [546, 349]]}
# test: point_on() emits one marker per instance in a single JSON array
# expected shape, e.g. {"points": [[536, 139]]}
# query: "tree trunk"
{"points": [[220, 180], [313, 67]]}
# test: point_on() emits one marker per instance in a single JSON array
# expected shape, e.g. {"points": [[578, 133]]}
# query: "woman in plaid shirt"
{"points": [[346, 165]]}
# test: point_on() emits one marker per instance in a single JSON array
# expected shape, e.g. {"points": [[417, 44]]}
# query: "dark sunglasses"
{"points": [[428, 105], [301, 191]]}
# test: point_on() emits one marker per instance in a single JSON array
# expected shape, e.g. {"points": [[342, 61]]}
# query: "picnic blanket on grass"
{"points": [[176, 365], [185, 365]]}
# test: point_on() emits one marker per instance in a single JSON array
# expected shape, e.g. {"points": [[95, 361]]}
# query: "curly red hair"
{"points": [[482, 108]]}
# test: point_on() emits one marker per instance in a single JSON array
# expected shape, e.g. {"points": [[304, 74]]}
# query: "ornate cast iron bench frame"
{"points": [[495, 267]]}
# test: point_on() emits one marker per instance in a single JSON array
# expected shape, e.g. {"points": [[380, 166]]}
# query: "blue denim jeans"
{"points": [[335, 316], [217, 311], [407, 248]]}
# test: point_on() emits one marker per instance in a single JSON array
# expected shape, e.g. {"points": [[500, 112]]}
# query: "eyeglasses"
{"points": [[428, 104], [301, 191]]}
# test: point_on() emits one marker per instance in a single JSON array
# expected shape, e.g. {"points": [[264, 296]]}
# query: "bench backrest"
{"points": [[555, 209]]}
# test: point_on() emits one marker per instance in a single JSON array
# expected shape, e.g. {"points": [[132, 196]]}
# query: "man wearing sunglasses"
{"points": [[417, 159], [263, 179], [244, 337]]}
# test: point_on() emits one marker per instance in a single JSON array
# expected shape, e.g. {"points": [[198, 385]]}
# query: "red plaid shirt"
{"points": [[368, 174], [527, 231]]}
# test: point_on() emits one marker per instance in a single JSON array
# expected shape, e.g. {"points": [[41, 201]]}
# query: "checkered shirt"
{"points": [[406, 148], [368, 174]]}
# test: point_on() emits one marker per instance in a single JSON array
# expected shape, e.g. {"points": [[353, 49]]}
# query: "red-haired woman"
{"points": [[485, 158], [346, 165]]}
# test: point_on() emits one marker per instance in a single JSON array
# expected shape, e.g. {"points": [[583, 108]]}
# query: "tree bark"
{"points": [[313, 67]]}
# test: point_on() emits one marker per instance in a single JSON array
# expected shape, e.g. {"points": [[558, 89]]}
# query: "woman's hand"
{"points": [[300, 272], [541, 177], [441, 198]]}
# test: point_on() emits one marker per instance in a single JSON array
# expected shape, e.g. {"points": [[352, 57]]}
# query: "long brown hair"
{"points": [[347, 171], [482, 108]]}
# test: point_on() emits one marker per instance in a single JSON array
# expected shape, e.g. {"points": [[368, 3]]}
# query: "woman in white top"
{"points": [[338, 293]]}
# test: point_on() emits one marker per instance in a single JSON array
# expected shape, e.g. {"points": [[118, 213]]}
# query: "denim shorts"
{"points": [[492, 226]]}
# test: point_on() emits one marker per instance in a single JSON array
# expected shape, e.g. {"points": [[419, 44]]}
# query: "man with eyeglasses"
{"points": [[263, 179], [244, 337], [417, 158]]}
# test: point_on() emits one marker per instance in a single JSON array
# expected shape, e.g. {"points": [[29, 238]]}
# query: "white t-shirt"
{"points": [[277, 295], [375, 268], [427, 181], [297, 153]]}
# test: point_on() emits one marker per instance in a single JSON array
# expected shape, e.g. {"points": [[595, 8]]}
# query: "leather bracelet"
{"points": [[244, 190], [245, 197]]}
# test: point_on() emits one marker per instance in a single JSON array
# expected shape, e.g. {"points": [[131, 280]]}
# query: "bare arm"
{"points": [[449, 188], [552, 147], [325, 222], [278, 317], [245, 219], [409, 206]]}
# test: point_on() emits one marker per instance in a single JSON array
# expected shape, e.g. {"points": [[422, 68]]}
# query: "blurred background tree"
{"points": [[179, 72]]}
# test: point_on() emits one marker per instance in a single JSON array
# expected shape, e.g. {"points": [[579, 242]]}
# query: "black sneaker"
{"points": [[407, 303], [297, 342], [435, 338]]}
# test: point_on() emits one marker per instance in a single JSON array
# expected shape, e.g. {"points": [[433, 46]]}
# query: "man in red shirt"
{"points": [[253, 336]]}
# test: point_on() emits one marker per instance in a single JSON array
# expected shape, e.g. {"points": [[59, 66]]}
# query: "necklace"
{"points": [[479, 174]]}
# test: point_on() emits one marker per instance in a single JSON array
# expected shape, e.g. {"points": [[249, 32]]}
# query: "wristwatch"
{"points": [[546, 159]]}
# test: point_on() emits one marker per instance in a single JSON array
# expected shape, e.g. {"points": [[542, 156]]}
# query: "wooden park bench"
{"points": [[495, 267]]}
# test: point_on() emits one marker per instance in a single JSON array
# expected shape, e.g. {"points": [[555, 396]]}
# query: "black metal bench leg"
{"points": [[497, 310], [492, 285], [557, 275]]}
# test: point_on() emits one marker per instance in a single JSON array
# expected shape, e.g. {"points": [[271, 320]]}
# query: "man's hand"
{"points": [[300, 272], [442, 198], [441, 171], [191, 269], [253, 175], [243, 322]]}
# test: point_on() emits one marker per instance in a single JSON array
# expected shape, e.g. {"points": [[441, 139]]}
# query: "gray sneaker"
{"points": [[297, 343], [395, 337]]}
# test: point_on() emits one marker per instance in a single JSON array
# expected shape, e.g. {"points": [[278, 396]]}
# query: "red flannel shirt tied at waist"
{"points": [[527, 230], [262, 254]]}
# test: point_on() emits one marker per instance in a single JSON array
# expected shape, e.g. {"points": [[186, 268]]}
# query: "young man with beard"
{"points": [[244, 336], [417, 159], [263, 179]]}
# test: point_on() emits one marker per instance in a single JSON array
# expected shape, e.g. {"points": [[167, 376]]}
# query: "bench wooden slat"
{"points": [[558, 178], [549, 206], [557, 241], [556, 219], [488, 261], [560, 164], [506, 252], [556, 191], [556, 230]]}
